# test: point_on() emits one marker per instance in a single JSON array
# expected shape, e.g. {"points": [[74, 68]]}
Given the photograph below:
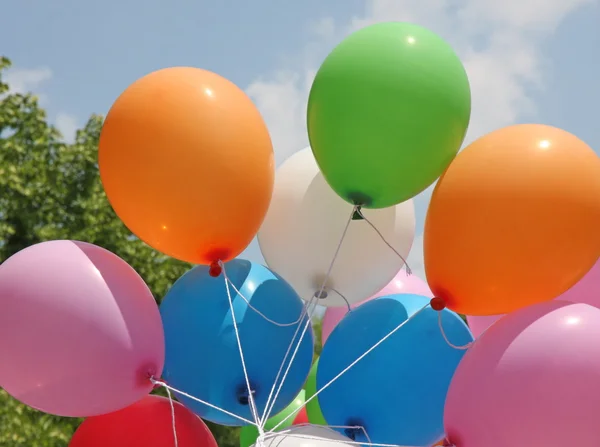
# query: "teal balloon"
{"points": [[387, 113]]}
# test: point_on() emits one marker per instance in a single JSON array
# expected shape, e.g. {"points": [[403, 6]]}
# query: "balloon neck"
{"points": [[354, 429], [215, 269], [357, 213], [321, 294], [359, 199], [437, 303], [243, 396]]}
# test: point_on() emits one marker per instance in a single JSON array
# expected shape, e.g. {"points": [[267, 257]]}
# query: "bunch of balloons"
{"points": [[187, 164]]}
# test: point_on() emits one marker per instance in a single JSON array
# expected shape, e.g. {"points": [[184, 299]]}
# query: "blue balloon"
{"points": [[202, 355], [397, 391]]}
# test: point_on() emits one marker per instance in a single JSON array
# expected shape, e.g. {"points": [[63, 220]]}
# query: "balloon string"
{"points": [[239, 343], [452, 345], [306, 313], [175, 440], [344, 298], [362, 356], [250, 306], [308, 321], [361, 214], [302, 316], [189, 396]]}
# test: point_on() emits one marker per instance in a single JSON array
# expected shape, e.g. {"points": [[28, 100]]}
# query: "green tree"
{"points": [[50, 189]]}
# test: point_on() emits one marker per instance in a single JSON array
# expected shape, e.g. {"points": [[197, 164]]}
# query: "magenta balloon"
{"points": [[79, 330], [587, 291], [400, 284], [530, 380]]}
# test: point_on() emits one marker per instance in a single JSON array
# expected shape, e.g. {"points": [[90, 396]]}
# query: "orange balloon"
{"points": [[187, 164], [515, 220]]}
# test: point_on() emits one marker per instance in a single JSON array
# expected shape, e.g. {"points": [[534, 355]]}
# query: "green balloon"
{"points": [[313, 409], [387, 113], [249, 433]]}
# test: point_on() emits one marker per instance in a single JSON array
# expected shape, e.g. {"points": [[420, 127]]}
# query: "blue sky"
{"points": [[528, 60]]}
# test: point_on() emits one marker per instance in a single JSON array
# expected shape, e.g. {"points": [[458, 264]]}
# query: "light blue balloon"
{"points": [[202, 356], [397, 391]]}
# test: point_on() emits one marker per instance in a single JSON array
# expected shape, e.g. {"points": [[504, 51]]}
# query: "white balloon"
{"points": [[306, 436], [303, 228]]}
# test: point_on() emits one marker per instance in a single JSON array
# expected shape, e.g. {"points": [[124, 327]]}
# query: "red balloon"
{"points": [[147, 423], [301, 417]]}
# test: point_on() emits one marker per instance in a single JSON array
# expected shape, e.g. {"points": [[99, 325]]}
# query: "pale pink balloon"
{"points": [[587, 291], [530, 380], [400, 284], [479, 324], [80, 332]]}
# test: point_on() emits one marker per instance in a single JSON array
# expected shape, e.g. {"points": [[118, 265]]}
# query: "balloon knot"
{"points": [[357, 215], [437, 303], [215, 269]]}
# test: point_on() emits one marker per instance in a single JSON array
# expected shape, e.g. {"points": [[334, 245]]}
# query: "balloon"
{"points": [[397, 391], [187, 164], [203, 358], [302, 417], [387, 112], [147, 423], [513, 221], [402, 283], [80, 332], [307, 436], [529, 381], [303, 228], [587, 290], [313, 409], [249, 433], [478, 325]]}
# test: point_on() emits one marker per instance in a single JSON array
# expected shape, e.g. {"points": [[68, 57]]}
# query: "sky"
{"points": [[527, 60]]}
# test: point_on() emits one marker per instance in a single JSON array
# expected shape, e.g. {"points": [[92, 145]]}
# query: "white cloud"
{"points": [[500, 44], [67, 126], [24, 80]]}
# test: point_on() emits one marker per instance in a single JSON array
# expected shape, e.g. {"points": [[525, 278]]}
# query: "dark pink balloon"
{"points": [[530, 381]]}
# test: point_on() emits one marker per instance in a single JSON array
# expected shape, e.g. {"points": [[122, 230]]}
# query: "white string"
{"points": [[367, 352], [308, 321], [408, 269], [176, 441], [236, 290], [463, 347], [253, 409], [269, 406], [189, 396]]}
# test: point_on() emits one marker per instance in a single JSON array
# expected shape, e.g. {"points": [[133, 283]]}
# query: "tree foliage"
{"points": [[50, 189]]}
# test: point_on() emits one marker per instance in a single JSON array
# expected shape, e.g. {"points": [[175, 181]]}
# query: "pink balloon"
{"points": [[530, 380], [479, 324], [400, 284], [587, 291], [80, 332]]}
